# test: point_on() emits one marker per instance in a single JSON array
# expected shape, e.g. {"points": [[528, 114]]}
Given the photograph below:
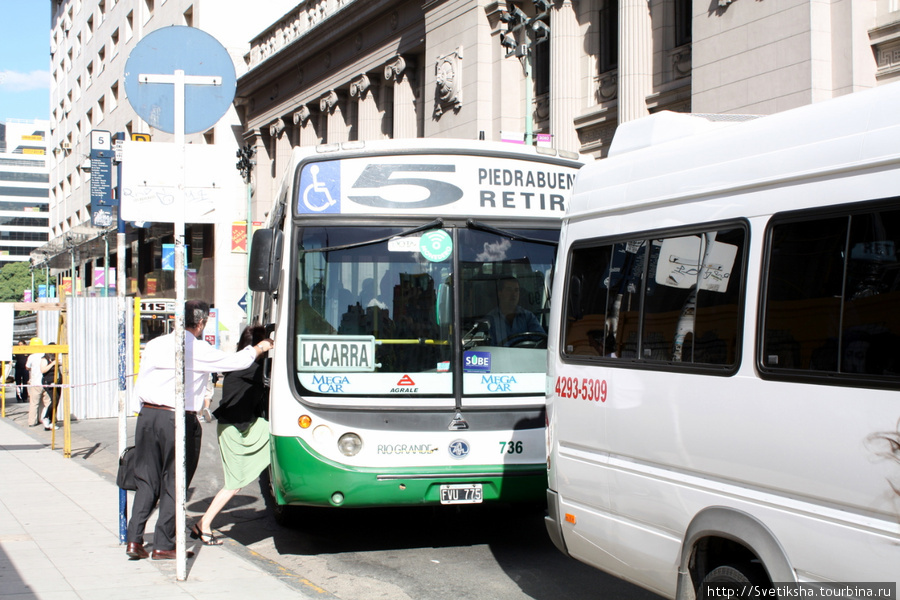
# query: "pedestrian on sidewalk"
{"points": [[38, 397], [242, 431], [51, 380], [21, 368], [154, 469]]}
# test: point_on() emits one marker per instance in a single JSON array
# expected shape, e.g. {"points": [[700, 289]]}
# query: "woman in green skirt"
{"points": [[243, 433]]}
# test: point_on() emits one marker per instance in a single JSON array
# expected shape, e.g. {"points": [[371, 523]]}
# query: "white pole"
{"points": [[180, 80], [180, 466]]}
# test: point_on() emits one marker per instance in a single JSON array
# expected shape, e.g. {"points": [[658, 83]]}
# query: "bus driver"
{"points": [[509, 319]]}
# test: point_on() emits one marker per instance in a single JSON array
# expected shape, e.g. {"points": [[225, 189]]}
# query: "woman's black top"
{"points": [[243, 397]]}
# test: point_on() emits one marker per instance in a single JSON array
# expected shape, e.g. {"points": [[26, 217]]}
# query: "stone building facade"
{"points": [[352, 70]]}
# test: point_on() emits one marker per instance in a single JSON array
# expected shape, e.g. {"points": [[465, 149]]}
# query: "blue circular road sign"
{"points": [[161, 53]]}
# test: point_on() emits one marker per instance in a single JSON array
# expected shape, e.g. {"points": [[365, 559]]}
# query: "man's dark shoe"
{"points": [[136, 551], [167, 554]]}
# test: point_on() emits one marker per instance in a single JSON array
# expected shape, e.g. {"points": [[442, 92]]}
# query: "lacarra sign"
{"points": [[344, 353]]}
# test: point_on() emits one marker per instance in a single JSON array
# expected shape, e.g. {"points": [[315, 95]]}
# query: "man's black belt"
{"points": [[168, 408]]}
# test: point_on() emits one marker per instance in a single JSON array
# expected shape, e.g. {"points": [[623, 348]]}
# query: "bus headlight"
{"points": [[349, 444]]}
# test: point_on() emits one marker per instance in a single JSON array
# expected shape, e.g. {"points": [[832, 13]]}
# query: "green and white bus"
{"points": [[378, 271]]}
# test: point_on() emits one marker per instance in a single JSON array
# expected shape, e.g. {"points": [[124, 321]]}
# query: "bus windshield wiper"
{"points": [[437, 223], [478, 226]]}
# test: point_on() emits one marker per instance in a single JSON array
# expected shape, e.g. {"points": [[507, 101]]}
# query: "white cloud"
{"points": [[12, 81]]}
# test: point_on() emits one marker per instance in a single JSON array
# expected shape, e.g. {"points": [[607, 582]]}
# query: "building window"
{"points": [[541, 68], [189, 17], [129, 26], [114, 42], [148, 10], [114, 96], [682, 22], [609, 36]]}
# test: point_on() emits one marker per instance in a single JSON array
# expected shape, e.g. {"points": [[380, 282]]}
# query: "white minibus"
{"points": [[724, 357]]}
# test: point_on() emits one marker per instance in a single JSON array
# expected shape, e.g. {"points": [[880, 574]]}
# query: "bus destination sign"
{"points": [[344, 353]]}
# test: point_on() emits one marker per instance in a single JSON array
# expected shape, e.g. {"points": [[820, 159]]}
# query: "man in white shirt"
{"points": [[38, 398], [154, 469]]}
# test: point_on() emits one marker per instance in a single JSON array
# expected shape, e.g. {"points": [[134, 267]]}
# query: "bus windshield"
{"points": [[376, 311]]}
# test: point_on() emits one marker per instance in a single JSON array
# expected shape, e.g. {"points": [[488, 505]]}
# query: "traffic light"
{"points": [[508, 41], [542, 6], [516, 16], [541, 31], [245, 161]]}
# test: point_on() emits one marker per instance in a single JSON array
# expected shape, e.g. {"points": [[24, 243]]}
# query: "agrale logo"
{"points": [[405, 386]]}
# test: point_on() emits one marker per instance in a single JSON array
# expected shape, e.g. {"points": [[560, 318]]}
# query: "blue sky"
{"points": [[24, 59]]}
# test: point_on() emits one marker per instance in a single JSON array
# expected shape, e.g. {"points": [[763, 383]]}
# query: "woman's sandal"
{"points": [[207, 539]]}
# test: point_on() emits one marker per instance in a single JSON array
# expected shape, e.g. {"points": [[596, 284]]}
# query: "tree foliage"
{"points": [[15, 278]]}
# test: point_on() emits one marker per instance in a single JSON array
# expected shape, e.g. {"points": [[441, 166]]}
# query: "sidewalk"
{"points": [[59, 537]]}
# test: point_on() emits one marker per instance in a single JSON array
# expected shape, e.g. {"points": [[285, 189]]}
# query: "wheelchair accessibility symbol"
{"points": [[320, 185]]}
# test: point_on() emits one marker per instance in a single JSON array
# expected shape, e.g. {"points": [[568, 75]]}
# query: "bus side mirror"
{"points": [[265, 260]]}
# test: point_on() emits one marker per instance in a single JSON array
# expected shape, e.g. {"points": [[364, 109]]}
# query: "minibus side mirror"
{"points": [[265, 260]]}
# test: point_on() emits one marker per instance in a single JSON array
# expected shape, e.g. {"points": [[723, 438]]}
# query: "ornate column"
{"points": [[308, 134], [330, 105], [635, 59], [565, 83], [405, 122], [282, 140], [369, 111]]}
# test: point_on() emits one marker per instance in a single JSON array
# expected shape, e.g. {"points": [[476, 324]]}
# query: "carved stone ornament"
{"points": [[681, 61], [360, 85], [447, 70], [276, 127], [301, 116], [394, 68], [328, 101], [608, 86]]}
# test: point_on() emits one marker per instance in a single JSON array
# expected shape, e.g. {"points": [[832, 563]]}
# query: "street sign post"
{"points": [[103, 204], [180, 80]]}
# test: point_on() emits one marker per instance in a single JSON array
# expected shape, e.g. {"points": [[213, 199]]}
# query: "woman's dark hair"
{"points": [[251, 336]]}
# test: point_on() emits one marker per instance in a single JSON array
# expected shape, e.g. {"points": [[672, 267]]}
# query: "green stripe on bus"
{"points": [[301, 476]]}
